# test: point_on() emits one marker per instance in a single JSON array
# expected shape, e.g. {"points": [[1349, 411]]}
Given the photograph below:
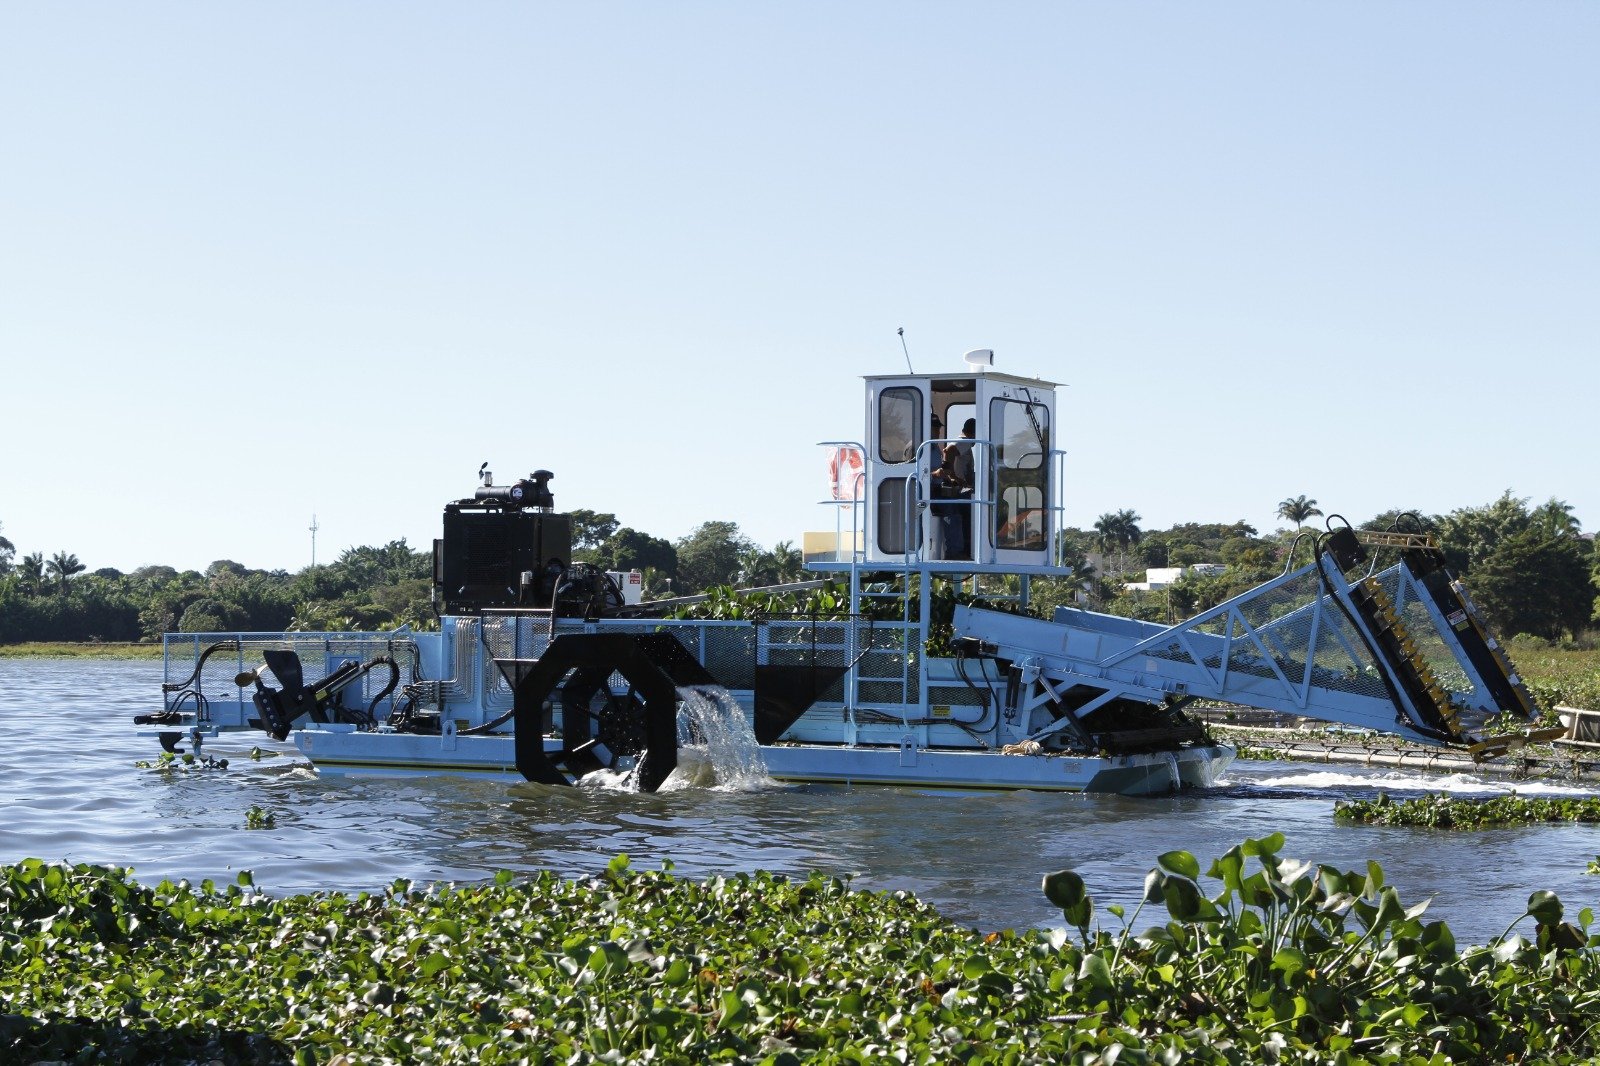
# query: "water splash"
{"points": [[1172, 771], [1418, 782], [716, 747], [604, 780]]}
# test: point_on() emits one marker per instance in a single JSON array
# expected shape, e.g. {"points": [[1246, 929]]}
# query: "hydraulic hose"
{"points": [[394, 680], [187, 689]]}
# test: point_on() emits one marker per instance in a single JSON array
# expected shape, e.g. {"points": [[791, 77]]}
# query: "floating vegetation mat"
{"points": [[1281, 962], [1448, 812]]}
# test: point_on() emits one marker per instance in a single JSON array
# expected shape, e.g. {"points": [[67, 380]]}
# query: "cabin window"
{"points": [[955, 416], [1020, 433], [899, 424], [893, 515]]}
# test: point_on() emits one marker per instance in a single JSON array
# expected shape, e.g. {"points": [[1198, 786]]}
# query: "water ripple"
{"points": [[69, 789]]}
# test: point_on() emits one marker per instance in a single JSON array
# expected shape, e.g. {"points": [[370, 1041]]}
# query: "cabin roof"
{"points": [[968, 375]]}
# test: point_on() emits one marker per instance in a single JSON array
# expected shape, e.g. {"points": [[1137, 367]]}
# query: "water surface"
{"points": [[69, 790]]}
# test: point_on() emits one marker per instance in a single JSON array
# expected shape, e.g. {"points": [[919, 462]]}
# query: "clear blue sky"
{"points": [[260, 261]]}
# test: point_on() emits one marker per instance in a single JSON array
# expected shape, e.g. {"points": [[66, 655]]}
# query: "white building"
{"points": [[1159, 577]]}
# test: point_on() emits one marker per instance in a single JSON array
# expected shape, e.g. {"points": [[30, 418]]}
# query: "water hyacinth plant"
{"points": [[257, 817], [169, 764], [1443, 811], [1285, 962]]}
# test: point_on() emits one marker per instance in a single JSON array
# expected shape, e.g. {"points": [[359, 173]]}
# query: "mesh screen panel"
{"points": [[319, 654], [1403, 592], [1285, 620]]}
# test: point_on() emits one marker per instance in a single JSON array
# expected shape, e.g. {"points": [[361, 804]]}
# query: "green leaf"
{"points": [[1438, 941], [1290, 961], [1229, 868], [1390, 909], [1182, 898], [447, 928], [1268, 845], [606, 957], [734, 1010], [1064, 888], [1544, 907], [1374, 883], [1181, 863], [1095, 972]]}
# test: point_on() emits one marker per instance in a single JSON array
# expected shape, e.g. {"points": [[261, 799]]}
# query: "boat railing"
{"points": [[200, 670], [726, 647], [920, 502], [1056, 504], [847, 500]]}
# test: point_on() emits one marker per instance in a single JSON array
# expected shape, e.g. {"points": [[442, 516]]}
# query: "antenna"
{"points": [[313, 528], [903, 348]]}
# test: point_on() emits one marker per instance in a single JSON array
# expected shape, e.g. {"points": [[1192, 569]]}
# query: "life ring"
{"points": [[845, 475]]}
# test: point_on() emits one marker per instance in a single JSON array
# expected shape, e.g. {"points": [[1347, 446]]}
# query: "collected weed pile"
{"points": [[1283, 962]]}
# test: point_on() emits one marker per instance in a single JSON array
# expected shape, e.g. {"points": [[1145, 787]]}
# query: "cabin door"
{"points": [[897, 432], [1017, 509]]}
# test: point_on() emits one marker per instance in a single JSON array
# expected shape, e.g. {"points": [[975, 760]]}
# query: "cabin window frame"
{"points": [[1025, 475], [893, 535], [894, 404]]}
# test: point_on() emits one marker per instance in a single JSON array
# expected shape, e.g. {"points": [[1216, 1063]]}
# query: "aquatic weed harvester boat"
{"points": [[542, 667]]}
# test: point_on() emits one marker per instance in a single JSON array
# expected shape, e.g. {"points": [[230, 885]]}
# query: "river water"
{"points": [[69, 790]]}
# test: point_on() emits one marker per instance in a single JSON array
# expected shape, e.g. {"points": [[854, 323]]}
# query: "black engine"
{"points": [[506, 548]]}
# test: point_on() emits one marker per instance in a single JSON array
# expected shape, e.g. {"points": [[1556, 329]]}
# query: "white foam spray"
{"points": [[1420, 782], [716, 746]]}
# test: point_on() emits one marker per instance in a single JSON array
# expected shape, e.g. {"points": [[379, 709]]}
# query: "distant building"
{"points": [[1159, 577]]}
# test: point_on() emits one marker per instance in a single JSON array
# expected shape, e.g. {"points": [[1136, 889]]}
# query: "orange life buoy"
{"points": [[845, 475]]}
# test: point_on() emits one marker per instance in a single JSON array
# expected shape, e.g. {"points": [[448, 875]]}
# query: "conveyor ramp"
{"points": [[1400, 650]]}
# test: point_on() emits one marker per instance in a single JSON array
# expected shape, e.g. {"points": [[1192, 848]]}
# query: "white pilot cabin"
{"points": [[958, 473]]}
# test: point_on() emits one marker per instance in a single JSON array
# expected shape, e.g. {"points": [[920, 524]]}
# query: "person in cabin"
{"points": [[966, 475], [945, 486], [964, 469]]}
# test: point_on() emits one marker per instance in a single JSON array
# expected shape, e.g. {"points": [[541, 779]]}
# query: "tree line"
{"points": [[367, 588], [1531, 569]]}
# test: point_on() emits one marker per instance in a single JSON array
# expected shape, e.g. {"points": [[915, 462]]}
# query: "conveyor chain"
{"points": [[1411, 669]]}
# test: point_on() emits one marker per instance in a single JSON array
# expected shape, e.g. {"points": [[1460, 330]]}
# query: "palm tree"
{"points": [[62, 566], [790, 562], [1131, 533], [1554, 519], [1105, 529], [1120, 531], [31, 571], [7, 549], [1298, 509], [759, 567], [755, 568]]}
